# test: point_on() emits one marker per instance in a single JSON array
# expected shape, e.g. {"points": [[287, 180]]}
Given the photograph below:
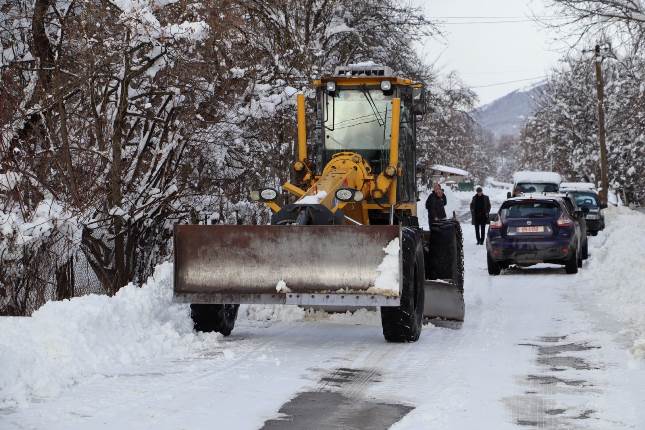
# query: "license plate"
{"points": [[531, 229]]}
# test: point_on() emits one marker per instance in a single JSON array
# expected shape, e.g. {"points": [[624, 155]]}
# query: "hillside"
{"points": [[506, 115]]}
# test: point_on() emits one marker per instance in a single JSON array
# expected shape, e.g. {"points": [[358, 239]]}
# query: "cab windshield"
{"points": [[359, 120]]}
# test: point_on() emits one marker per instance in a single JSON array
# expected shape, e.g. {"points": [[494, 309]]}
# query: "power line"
{"points": [[495, 19], [509, 82], [502, 17]]}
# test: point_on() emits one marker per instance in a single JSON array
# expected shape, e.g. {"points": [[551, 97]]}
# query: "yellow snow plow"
{"points": [[349, 235]]}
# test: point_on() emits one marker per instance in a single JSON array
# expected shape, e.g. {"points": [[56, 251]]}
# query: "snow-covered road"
{"points": [[534, 352]]}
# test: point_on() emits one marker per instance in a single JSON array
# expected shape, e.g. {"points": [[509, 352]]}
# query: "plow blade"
{"points": [[444, 284], [319, 265], [444, 300]]}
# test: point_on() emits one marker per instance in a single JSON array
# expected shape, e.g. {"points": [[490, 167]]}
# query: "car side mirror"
{"points": [[509, 195]]}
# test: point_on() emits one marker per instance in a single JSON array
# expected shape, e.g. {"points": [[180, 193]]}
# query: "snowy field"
{"points": [[538, 349]]}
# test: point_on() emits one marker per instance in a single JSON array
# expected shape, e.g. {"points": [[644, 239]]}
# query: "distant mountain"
{"points": [[507, 114]]}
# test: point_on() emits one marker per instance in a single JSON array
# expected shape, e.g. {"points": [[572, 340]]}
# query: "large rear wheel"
{"points": [[217, 318], [403, 323]]}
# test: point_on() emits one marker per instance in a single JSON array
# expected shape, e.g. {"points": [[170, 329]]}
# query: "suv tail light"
{"points": [[496, 224], [564, 221]]}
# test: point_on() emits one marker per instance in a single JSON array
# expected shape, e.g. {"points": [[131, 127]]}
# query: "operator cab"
{"points": [[354, 114]]}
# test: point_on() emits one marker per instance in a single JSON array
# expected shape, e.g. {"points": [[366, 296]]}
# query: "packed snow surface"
{"points": [[537, 177], [387, 281]]}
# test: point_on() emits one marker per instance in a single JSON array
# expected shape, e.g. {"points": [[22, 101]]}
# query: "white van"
{"points": [[527, 182]]}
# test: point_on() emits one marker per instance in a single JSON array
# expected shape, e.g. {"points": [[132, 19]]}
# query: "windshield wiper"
{"points": [[370, 101]]}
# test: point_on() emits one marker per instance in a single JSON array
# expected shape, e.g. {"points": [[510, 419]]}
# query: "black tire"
{"points": [[403, 323], [585, 251], [571, 265], [217, 318], [493, 267], [593, 233]]}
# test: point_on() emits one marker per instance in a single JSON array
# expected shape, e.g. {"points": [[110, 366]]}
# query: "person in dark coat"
{"points": [[480, 211], [435, 204]]}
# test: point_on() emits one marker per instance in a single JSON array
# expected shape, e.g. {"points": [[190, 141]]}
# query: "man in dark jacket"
{"points": [[480, 210], [435, 204]]}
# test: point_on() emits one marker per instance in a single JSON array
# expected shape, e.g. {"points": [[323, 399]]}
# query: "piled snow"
{"points": [[537, 177], [313, 200], [65, 342], [493, 183], [281, 287], [616, 273], [577, 186], [448, 169], [387, 281]]}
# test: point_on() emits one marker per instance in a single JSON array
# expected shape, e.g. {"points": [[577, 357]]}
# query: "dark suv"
{"points": [[589, 199], [537, 229]]}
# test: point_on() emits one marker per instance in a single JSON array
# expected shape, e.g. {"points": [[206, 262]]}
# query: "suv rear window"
{"points": [[530, 210], [527, 188]]}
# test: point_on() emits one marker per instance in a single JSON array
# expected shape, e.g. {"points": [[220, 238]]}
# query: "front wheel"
{"points": [[403, 323], [217, 318]]}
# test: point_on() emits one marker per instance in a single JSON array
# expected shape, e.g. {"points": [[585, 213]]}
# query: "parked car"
{"points": [[586, 196], [526, 182], [535, 229]]}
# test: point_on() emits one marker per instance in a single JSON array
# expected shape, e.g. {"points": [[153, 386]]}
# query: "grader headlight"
{"points": [[263, 195], [268, 194], [345, 194]]}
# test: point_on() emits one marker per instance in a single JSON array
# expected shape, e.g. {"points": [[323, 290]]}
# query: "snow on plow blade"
{"points": [[320, 265]]}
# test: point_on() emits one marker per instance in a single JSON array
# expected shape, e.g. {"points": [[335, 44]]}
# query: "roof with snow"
{"points": [[448, 169], [537, 177], [577, 186]]}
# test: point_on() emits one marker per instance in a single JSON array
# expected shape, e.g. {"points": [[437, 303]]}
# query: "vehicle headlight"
{"points": [[386, 85], [331, 86], [344, 194]]}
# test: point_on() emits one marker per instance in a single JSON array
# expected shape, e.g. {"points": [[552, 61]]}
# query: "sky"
{"points": [[485, 52]]}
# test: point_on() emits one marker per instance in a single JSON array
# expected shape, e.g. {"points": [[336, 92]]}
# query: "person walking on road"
{"points": [[435, 204], [480, 211]]}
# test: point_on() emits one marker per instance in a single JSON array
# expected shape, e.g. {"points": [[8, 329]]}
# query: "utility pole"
{"points": [[600, 94]]}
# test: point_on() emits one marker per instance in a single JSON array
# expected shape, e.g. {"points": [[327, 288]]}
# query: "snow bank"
{"points": [[387, 281], [449, 169], [616, 273], [65, 342]]}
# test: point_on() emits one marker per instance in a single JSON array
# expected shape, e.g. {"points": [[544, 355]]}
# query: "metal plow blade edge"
{"points": [[320, 265]]}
